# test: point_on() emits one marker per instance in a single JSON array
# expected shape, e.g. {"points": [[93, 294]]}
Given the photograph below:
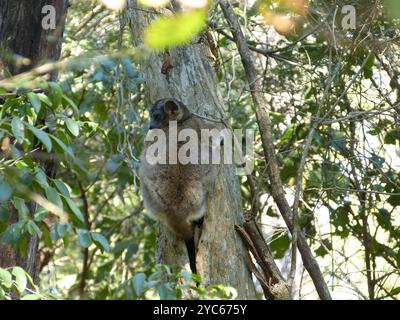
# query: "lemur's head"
{"points": [[165, 110]]}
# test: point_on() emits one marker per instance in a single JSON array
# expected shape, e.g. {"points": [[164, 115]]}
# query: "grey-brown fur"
{"points": [[176, 193]]}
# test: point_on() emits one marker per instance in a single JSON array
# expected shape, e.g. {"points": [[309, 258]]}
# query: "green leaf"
{"points": [[224, 42], [72, 104], [74, 209], [311, 91], [5, 278], [33, 296], [166, 292], [368, 67], [35, 101], [23, 244], [340, 217], [41, 178], [33, 229], [187, 275], [100, 241], [17, 128], [72, 126], [288, 134], [395, 291], [132, 249], [62, 188], [279, 245], [138, 283], [55, 94], [4, 295], [62, 229], [179, 29], [337, 140], [61, 146], [40, 215], [113, 164], [23, 211], [41, 135], [276, 116], [8, 104], [394, 200], [53, 196], [289, 170], [84, 238], [45, 99], [20, 279], [384, 219], [5, 191], [107, 63], [377, 161], [4, 213], [322, 250], [392, 136], [129, 68]]}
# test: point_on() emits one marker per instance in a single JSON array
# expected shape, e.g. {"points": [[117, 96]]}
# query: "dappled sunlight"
{"points": [[282, 14], [114, 4]]}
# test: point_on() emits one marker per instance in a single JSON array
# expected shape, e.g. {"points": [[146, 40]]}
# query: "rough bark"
{"points": [[221, 254], [21, 34]]}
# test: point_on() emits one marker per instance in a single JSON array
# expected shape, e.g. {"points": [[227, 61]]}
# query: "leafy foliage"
{"points": [[95, 241]]}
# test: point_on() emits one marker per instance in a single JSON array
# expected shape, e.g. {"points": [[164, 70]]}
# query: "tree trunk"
{"points": [[22, 34], [220, 256]]}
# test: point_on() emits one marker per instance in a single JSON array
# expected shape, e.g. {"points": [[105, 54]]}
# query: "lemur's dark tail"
{"points": [[191, 249], [191, 245]]}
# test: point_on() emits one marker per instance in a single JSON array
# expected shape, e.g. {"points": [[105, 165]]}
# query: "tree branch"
{"points": [[273, 171]]}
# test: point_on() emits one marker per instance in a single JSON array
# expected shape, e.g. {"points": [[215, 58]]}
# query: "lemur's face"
{"points": [[165, 110]]}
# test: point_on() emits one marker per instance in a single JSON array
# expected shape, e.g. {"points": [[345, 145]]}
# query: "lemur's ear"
{"points": [[171, 106]]}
